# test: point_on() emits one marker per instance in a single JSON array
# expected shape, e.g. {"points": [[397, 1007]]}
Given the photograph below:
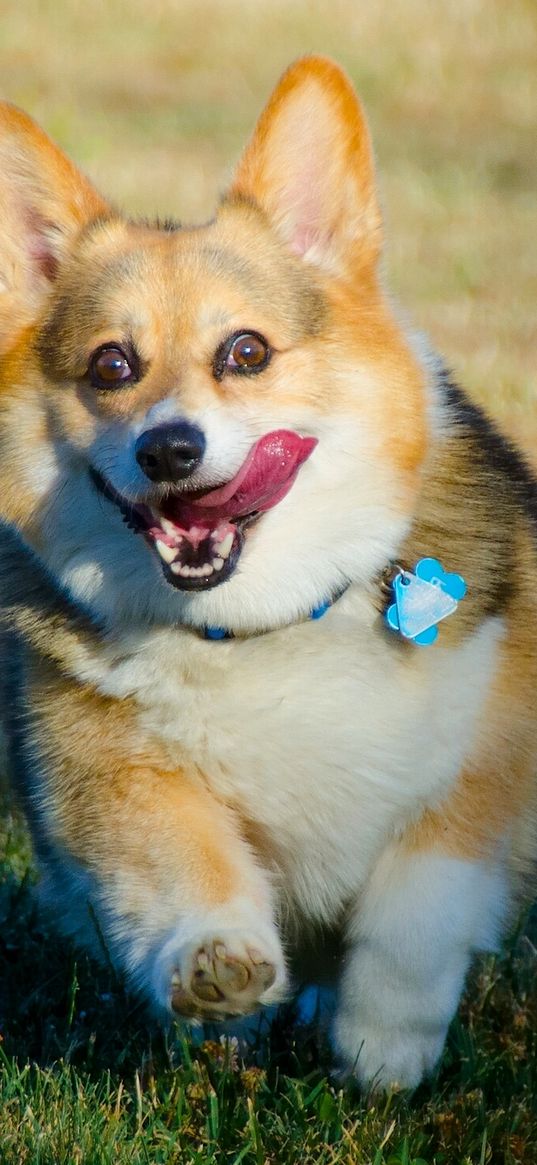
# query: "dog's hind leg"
{"points": [[421, 917]]}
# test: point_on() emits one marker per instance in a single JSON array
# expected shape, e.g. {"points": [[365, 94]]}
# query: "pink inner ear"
{"points": [[304, 215], [302, 240], [46, 262], [40, 247], [305, 170], [301, 203]]}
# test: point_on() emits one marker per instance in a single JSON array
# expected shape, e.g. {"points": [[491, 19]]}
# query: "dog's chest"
{"points": [[323, 738]]}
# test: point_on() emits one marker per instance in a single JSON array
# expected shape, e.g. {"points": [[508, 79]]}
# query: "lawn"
{"points": [[154, 98]]}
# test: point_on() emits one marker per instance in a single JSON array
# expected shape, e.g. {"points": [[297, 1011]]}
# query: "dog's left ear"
{"points": [[309, 166]]}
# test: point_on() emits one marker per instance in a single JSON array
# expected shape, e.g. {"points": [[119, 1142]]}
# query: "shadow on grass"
{"points": [[56, 1003]]}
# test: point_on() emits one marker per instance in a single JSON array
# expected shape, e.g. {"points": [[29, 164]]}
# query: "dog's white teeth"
{"points": [[168, 553], [169, 528], [193, 571], [218, 563], [224, 547]]}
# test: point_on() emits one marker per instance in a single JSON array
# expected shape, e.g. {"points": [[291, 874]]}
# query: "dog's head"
{"points": [[213, 425]]}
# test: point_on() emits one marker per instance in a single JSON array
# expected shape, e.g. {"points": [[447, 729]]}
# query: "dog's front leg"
{"points": [[410, 944], [180, 902]]}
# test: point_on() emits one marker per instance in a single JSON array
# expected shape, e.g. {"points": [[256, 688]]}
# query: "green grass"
{"points": [[84, 1079], [155, 100]]}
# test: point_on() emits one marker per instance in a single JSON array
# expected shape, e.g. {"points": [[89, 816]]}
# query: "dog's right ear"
{"points": [[309, 167], [44, 202]]}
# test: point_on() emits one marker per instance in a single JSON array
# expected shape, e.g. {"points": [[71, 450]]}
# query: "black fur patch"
{"points": [[25, 582], [503, 457], [31, 600]]}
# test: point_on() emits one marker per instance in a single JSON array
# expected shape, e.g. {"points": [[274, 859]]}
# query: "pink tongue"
{"points": [[263, 480]]}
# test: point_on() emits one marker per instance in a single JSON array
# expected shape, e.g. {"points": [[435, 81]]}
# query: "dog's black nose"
{"points": [[171, 452]]}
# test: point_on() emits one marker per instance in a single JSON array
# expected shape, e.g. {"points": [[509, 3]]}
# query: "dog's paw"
{"points": [[224, 970], [230, 974], [388, 1059]]}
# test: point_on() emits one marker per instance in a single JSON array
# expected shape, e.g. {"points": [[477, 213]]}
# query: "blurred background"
{"points": [[154, 99]]}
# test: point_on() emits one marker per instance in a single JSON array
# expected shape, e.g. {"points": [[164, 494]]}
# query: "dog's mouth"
{"points": [[199, 536]]}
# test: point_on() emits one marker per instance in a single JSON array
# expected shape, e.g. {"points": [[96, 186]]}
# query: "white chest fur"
{"points": [[325, 736]]}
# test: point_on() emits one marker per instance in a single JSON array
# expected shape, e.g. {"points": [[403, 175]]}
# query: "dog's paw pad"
{"points": [[222, 978]]}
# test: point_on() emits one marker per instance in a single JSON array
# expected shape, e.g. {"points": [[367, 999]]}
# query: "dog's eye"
{"points": [[110, 368], [246, 352]]}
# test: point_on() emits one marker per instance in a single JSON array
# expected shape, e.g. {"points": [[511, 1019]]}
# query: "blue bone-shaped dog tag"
{"points": [[422, 599]]}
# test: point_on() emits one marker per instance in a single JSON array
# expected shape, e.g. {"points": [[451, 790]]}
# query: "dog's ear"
{"points": [[309, 165], [44, 203]]}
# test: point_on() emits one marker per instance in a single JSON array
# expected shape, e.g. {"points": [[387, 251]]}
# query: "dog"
{"points": [[268, 594]]}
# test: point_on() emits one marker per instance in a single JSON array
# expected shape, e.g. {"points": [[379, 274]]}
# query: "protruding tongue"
{"points": [[263, 480]]}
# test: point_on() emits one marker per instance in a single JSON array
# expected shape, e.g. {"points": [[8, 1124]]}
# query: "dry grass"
{"points": [[155, 98]]}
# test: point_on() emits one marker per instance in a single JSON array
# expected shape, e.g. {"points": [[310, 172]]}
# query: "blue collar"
{"points": [[414, 601], [315, 613]]}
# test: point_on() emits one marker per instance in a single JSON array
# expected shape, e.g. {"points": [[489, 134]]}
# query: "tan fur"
{"points": [[113, 787]]}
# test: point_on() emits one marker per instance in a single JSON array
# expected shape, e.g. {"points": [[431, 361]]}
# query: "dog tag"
{"points": [[422, 599]]}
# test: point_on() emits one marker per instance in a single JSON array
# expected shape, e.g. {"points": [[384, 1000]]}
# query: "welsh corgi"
{"points": [[269, 589]]}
